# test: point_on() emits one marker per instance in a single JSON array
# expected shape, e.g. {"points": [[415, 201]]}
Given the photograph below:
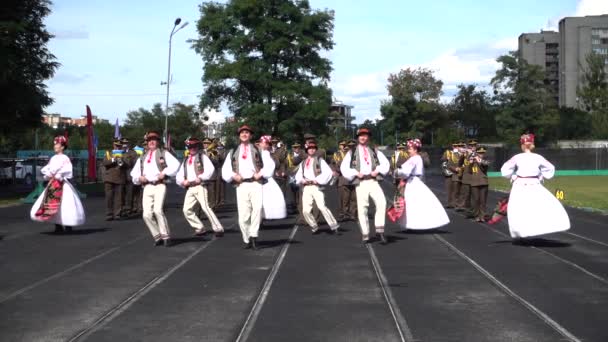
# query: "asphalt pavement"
{"points": [[464, 282]]}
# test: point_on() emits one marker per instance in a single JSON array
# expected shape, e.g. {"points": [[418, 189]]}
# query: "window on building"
{"points": [[601, 51], [595, 41]]}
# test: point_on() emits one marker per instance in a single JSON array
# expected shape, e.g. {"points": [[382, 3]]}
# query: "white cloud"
{"points": [[214, 116], [591, 7]]}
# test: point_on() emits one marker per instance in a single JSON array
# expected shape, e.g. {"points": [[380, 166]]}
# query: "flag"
{"points": [[92, 169], [117, 130]]}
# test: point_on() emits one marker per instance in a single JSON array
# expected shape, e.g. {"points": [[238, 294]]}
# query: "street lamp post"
{"points": [[168, 83]]}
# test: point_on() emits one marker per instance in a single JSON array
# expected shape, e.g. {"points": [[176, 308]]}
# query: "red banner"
{"points": [[92, 162]]}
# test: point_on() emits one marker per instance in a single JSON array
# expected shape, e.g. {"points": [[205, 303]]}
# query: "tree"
{"points": [[524, 100], [413, 108], [594, 94], [471, 110], [25, 63], [574, 123], [263, 58]]}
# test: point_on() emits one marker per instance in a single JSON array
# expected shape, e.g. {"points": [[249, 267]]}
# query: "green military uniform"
{"points": [[220, 185], [479, 184], [291, 168], [114, 178], [279, 155], [455, 165], [346, 191], [448, 160], [465, 191], [211, 184], [397, 159], [131, 204]]}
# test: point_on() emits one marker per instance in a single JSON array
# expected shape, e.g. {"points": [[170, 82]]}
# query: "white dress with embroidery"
{"points": [[532, 209], [71, 213], [422, 208], [274, 207]]}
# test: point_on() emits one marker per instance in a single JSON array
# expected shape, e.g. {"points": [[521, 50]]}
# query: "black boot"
{"points": [[253, 245], [168, 243], [58, 229], [247, 245], [158, 243], [67, 229], [382, 239]]}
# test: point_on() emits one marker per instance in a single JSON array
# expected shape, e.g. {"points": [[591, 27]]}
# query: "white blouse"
{"points": [[208, 169], [151, 170], [413, 166], [309, 173], [246, 167], [59, 166], [528, 165], [366, 169]]}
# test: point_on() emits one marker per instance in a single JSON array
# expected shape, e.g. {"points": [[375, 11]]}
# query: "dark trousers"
{"points": [[220, 188], [465, 196], [113, 199], [348, 202], [448, 190], [480, 198], [211, 193], [454, 192]]}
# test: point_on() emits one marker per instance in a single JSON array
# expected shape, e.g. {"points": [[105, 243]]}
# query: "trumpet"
{"points": [[117, 155]]}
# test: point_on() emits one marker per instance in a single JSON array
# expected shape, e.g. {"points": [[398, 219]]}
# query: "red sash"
{"points": [[52, 200]]}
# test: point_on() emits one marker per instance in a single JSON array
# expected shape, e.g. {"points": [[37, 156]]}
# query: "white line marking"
{"points": [[563, 331], [259, 303], [66, 271], [580, 268], [588, 239], [404, 331], [125, 304]]}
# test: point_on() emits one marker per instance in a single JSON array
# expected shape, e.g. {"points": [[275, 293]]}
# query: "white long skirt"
{"points": [[71, 212], [534, 211], [422, 208], [273, 201]]}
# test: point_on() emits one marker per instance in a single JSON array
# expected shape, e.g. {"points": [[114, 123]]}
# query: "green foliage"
{"points": [[413, 108], [594, 92], [524, 100], [574, 124], [25, 63], [472, 109], [263, 59]]}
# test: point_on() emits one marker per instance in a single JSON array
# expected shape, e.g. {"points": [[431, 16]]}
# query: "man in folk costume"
{"points": [[532, 210], [308, 139], [245, 168], [220, 185], [465, 191], [211, 152], [151, 171], [130, 205], [346, 191], [197, 169], [59, 203], [479, 184], [312, 174], [114, 179], [365, 166]]}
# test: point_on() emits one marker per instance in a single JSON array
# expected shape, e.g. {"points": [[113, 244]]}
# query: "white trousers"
{"points": [[198, 195], [312, 193], [153, 200], [249, 205], [366, 189]]}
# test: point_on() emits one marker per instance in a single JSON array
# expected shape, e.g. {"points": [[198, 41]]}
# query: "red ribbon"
{"points": [[365, 155], [245, 151], [150, 157], [308, 162], [190, 161]]}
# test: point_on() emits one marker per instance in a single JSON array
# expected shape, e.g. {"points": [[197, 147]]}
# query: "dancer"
{"points": [[247, 169], [422, 208], [59, 203], [365, 166], [313, 173], [273, 199], [532, 209], [197, 169], [151, 171]]}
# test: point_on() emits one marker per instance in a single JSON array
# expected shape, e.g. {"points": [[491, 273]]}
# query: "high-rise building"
{"points": [[542, 49], [563, 54], [579, 36]]}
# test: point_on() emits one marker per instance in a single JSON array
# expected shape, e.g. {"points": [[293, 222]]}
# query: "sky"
{"points": [[114, 54]]}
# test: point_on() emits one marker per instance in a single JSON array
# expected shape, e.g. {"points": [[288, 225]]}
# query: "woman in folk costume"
{"points": [[273, 200], [532, 209], [422, 208], [59, 203]]}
